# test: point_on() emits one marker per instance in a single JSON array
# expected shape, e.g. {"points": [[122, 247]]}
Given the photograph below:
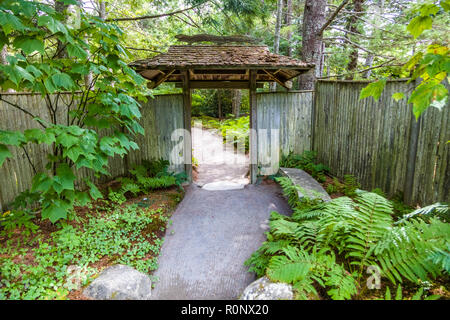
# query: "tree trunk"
{"points": [[352, 27], [61, 8], [102, 10], [3, 55], [368, 64], [276, 40], [314, 17], [236, 102], [219, 103], [288, 22]]}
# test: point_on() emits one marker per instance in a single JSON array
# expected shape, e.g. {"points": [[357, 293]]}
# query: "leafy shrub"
{"points": [[330, 244], [306, 161], [76, 110]]}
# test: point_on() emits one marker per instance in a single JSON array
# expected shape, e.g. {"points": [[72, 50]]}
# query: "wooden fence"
{"points": [[378, 142], [284, 126], [160, 117], [381, 143]]}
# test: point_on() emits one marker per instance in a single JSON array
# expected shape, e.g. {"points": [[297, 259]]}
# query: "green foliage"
{"points": [[373, 89], [438, 210], [291, 191], [236, 130], [357, 233], [306, 161], [18, 219], [431, 65], [150, 175], [417, 296], [233, 130], [123, 236], [348, 187], [48, 55]]}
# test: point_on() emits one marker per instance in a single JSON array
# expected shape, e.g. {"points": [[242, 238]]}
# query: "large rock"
{"points": [[264, 289], [312, 188], [120, 282]]}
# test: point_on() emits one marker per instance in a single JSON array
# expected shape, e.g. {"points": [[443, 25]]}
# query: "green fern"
{"points": [[409, 250], [417, 296], [303, 269], [440, 210], [301, 249]]}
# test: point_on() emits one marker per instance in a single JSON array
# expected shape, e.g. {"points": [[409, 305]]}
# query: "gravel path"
{"points": [[217, 161], [214, 232]]}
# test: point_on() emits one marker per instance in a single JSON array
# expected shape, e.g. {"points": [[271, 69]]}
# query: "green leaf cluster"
{"points": [[50, 55]]}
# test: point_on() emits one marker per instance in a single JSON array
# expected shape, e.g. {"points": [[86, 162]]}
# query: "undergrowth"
{"points": [[39, 267], [233, 130], [325, 249], [51, 262], [306, 161], [150, 175]]}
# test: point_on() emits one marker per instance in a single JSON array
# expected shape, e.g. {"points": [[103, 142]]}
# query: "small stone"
{"points": [[120, 282], [264, 289]]}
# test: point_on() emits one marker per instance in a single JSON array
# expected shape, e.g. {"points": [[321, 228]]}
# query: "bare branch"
{"points": [[155, 16], [331, 18], [384, 64], [143, 49], [357, 46], [21, 109]]}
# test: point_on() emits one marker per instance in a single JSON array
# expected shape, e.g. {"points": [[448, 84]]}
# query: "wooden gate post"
{"points": [[253, 129], [187, 152]]}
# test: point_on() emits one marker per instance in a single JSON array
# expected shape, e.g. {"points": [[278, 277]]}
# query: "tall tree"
{"points": [[61, 7], [354, 28], [102, 9], [276, 41], [236, 97], [312, 49], [288, 23]]}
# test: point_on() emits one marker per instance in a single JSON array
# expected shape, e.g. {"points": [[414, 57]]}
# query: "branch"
{"points": [[357, 46], [29, 160], [331, 18], [155, 16], [384, 64], [21, 109], [143, 49]]}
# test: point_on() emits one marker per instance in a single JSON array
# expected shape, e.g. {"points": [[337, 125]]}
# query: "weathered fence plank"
{"points": [[284, 125], [160, 117], [375, 141]]}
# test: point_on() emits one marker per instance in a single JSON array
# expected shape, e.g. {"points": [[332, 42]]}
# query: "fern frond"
{"points": [[370, 223], [283, 227], [291, 267], [438, 209], [311, 213], [343, 285], [407, 251]]}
